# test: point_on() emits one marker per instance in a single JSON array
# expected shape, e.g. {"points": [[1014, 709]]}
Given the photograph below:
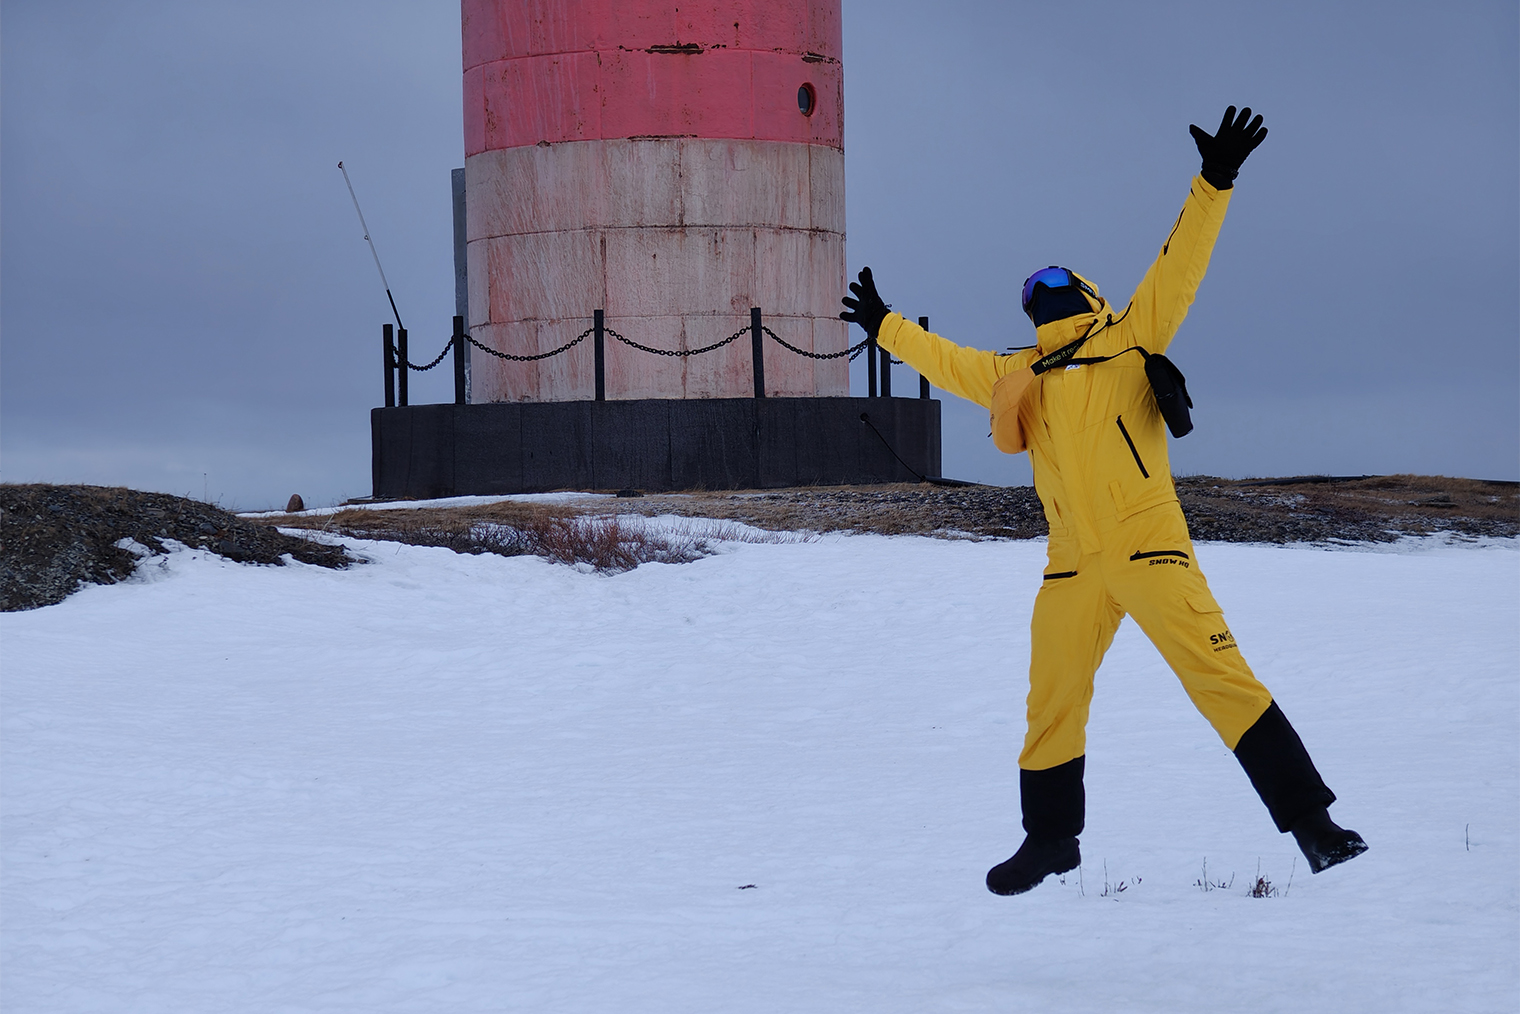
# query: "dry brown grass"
{"points": [[607, 544], [1420, 495]]}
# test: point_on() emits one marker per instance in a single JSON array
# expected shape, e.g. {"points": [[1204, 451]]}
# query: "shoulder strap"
{"points": [[1103, 359], [1065, 353]]}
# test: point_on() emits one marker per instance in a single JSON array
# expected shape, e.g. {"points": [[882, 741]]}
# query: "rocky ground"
{"points": [[53, 538], [1301, 509]]}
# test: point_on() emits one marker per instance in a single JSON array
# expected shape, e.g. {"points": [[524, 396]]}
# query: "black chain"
{"points": [[423, 369], [528, 359], [679, 353], [852, 351]]}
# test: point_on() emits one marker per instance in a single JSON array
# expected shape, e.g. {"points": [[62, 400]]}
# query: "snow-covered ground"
{"points": [[456, 783]]}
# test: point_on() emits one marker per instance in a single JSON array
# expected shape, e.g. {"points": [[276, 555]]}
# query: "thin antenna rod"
{"points": [[371, 243]]}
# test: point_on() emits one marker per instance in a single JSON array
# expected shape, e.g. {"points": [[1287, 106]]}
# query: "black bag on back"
{"points": [[1167, 384], [1170, 388]]}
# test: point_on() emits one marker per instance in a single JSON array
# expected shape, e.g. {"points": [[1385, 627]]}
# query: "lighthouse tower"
{"points": [[672, 163], [675, 171]]}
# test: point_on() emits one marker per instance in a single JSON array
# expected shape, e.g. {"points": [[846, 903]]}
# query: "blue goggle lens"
{"points": [[1051, 277]]}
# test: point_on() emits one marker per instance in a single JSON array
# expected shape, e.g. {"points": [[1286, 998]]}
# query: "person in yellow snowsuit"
{"points": [[1083, 403]]}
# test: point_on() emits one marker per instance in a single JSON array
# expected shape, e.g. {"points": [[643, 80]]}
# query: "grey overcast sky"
{"points": [[186, 302]]}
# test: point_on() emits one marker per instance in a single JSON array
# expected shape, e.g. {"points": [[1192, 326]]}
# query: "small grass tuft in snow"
{"points": [[599, 543], [1262, 886], [1113, 890], [1206, 885], [613, 545]]}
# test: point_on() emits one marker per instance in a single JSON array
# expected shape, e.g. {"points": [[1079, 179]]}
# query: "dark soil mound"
{"points": [[55, 538]]}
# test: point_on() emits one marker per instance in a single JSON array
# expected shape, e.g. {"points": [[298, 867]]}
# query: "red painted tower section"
{"points": [[654, 159]]}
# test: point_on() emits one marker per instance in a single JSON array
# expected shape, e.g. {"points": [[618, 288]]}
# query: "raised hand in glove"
{"points": [[866, 309], [1226, 150]]}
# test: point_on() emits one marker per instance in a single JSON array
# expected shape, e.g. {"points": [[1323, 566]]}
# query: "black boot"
{"points": [[1035, 860], [1325, 843], [1279, 767], [1054, 804]]}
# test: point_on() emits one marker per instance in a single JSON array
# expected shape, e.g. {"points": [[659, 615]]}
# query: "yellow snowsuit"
{"points": [[1118, 541]]}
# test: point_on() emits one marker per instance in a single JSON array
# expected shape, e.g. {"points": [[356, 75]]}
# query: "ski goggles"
{"points": [[1053, 278]]}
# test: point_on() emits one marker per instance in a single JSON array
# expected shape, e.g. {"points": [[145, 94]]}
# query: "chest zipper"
{"points": [[1127, 440]]}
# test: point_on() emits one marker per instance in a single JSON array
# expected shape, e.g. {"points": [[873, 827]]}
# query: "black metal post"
{"points": [[458, 360], [923, 381], [886, 374], [870, 366], [388, 340], [601, 354], [756, 338], [401, 366]]}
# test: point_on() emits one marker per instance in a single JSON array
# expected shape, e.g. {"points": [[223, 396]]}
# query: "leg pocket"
{"points": [[1159, 527], [1182, 619], [1061, 557], [1212, 617]]}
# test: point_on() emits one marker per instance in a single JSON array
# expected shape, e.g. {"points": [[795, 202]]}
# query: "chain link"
{"points": [[528, 359], [423, 369], [852, 351], [678, 353]]}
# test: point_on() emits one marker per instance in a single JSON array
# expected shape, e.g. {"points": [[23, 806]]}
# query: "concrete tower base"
{"points": [[652, 445]]}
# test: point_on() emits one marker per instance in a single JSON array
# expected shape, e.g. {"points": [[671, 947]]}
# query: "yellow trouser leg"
{"points": [[1074, 623], [1150, 569]]}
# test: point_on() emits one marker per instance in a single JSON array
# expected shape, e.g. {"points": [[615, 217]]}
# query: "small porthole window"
{"points": [[807, 99]]}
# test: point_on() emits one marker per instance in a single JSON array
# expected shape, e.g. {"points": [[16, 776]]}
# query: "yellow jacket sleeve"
{"points": [[1161, 302], [964, 372]]}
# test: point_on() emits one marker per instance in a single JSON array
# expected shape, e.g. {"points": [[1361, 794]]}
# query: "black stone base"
{"points": [[653, 445]]}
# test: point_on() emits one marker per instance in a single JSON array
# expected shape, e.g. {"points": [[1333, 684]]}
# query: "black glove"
{"points": [[1225, 151], [866, 309]]}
